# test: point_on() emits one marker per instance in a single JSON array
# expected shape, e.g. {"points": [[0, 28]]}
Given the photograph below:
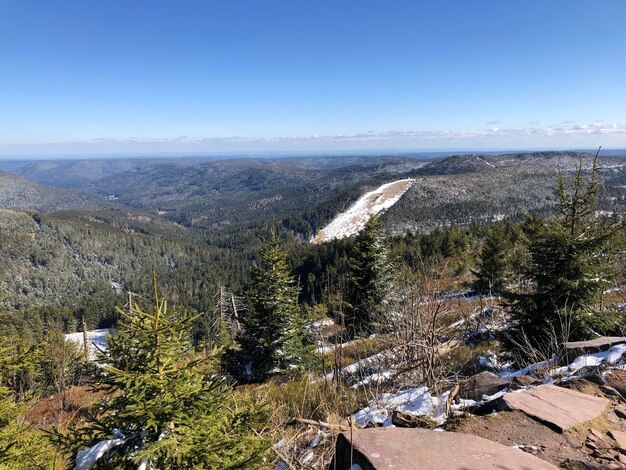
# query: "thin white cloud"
{"points": [[556, 136]]}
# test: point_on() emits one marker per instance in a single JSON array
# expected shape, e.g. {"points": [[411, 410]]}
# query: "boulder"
{"points": [[417, 449], [558, 407], [523, 381], [616, 378], [405, 420], [485, 383], [620, 411], [574, 349]]}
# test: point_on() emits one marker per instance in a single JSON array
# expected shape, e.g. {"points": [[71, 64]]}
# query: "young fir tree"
{"points": [[493, 265], [570, 266], [369, 279], [165, 402], [272, 336], [21, 445]]}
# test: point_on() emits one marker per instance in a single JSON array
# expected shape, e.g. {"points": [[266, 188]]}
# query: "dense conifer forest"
{"points": [[227, 329]]}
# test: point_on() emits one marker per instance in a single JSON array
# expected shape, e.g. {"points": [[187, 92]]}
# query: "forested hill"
{"points": [[19, 193], [476, 163], [199, 224], [231, 195], [55, 266], [470, 189]]}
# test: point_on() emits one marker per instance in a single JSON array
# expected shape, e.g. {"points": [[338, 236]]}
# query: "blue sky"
{"points": [[130, 76]]}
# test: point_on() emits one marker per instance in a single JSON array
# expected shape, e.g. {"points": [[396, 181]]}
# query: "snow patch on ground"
{"points": [[414, 401], [96, 340], [382, 361], [611, 356], [420, 401], [328, 348], [548, 369], [351, 222]]}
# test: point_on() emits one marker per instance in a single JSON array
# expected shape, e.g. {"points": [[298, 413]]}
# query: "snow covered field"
{"points": [[94, 338], [354, 219]]}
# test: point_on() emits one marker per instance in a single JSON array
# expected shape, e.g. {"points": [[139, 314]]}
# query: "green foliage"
{"points": [[272, 337], [493, 267], [61, 364], [22, 376], [167, 400], [570, 266], [19, 365], [22, 447], [369, 279]]}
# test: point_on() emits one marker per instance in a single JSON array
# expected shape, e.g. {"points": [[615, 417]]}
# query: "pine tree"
{"points": [[492, 267], [570, 266], [272, 335], [369, 279], [165, 401]]}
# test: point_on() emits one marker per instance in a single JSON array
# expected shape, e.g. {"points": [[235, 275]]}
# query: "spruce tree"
{"points": [[22, 446], [492, 268], [369, 279], [570, 266], [165, 402], [272, 336]]}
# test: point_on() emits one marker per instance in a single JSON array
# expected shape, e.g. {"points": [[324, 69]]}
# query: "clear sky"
{"points": [[130, 76]]}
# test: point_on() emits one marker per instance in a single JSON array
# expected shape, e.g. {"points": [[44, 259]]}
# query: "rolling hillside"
{"points": [[19, 193]]}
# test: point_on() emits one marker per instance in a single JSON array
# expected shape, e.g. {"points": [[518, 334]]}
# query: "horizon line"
{"points": [[390, 152]]}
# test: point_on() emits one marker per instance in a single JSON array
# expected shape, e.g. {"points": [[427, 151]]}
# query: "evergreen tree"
{"points": [[272, 335], [164, 402], [369, 279], [20, 365], [60, 364], [570, 266], [493, 266], [21, 446]]}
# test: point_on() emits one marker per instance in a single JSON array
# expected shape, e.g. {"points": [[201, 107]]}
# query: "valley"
{"points": [[386, 274]]}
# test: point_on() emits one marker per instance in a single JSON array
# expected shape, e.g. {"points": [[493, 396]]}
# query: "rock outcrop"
{"points": [[558, 407], [415, 449]]}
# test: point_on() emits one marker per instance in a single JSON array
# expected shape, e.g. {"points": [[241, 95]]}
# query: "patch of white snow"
{"points": [[353, 220], [96, 341]]}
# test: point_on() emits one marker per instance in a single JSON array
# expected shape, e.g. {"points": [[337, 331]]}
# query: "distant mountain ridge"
{"points": [[19, 193]]}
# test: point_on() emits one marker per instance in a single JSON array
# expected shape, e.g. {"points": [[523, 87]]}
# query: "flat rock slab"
{"points": [[559, 407], [416, 449], [602, 342], [620, 438], [577, 348]]}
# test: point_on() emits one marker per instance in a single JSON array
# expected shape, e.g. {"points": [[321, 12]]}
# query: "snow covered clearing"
{"points": [[354, 219], [485, 162], [96, 340]]}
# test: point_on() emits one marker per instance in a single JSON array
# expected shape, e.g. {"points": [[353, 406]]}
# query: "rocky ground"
{"points": [[576, 420]]}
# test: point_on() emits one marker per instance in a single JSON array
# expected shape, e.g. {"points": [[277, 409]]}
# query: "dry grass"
{"points": [[48, 413], [302, 446]]}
